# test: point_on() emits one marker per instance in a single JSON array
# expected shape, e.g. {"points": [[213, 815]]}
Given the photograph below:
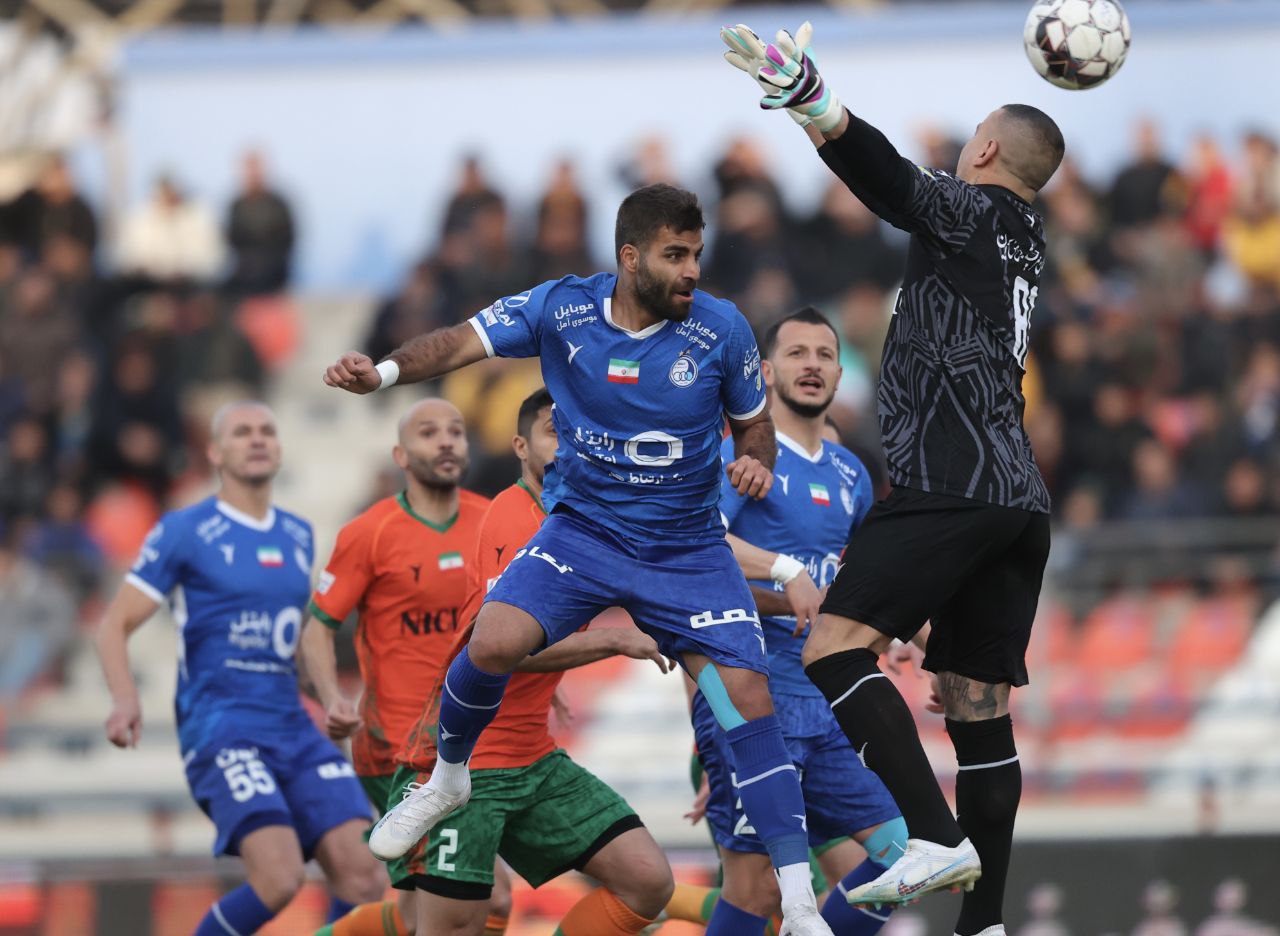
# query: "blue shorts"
{"points": [[690, 599], [305, 783], [841, 796]]}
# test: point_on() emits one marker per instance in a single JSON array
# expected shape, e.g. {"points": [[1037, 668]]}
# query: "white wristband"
{"points": [[390, 372], [785, 569]]}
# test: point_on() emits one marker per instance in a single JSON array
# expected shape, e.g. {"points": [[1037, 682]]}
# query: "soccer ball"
{"points": [[1076, 44]]}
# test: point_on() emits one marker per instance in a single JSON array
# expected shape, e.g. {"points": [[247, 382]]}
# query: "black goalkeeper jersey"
{"points": [[950, 395]]}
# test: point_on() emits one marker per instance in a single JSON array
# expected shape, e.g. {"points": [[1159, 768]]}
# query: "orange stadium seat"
{"points": [[119, 519], [1213, 634], [1118, 634], [272, 326]]}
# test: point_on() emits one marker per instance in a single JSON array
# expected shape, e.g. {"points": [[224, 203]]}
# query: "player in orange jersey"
{"points": [[402, 564], [544, 813]]}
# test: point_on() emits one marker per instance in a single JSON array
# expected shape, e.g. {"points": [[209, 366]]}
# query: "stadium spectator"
{"points": [[260, 231], [560, 243], [24, 474], [37, 620], [36, 329], [1149, 186], [170, 238], [52, 210]]}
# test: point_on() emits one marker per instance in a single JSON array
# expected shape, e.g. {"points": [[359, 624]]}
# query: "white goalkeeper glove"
{"points": [[747, 53], [793, 74]]}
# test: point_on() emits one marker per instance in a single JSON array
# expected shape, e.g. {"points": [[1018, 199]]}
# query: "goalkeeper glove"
{"points": [[747, 53], [792, 73]]}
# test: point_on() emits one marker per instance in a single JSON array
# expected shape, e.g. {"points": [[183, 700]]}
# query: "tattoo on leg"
{"points": [[965, 699]]}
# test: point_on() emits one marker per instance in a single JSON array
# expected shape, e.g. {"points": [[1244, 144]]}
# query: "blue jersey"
{"points": [[237, 588], [640, 415], [814, 503]]}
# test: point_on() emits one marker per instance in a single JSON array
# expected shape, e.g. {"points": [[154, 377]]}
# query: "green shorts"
{"points": [[544, 820]]}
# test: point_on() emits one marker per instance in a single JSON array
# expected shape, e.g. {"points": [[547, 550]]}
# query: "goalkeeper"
{"points": [[963, 538]]}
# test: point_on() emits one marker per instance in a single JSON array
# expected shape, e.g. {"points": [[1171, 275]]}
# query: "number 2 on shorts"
{"points": [[448, 848]]}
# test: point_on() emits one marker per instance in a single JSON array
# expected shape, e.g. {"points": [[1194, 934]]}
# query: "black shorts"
{"points": [[971, 568]]}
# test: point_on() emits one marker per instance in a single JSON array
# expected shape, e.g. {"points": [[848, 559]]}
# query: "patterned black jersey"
{"points": [[950, 395]]}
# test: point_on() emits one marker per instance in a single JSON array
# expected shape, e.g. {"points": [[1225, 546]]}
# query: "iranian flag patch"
{"points": [[819, 494], [451, 560], [621, 371], [270, 556]]}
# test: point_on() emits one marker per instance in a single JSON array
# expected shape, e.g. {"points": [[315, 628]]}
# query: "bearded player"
{"points": [[402, 565], [644, 369]]}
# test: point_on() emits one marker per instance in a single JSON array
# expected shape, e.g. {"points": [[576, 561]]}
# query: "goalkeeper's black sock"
{"points": [[879, 725]]}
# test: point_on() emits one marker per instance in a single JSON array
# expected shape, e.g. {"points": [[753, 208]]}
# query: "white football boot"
{"points": [[804, 920], [924, 867], [996, 929], [421, 810]]}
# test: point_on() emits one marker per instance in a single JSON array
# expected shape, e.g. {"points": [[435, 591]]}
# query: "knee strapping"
{"points": [[717, 696], [887, 843]]}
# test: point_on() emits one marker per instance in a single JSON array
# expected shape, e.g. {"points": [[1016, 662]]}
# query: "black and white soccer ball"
{"points": [[1076, 44]]}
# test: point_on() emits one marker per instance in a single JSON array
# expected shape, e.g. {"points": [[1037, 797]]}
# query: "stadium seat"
{"points": [[1213, 634], [1118, 634]]}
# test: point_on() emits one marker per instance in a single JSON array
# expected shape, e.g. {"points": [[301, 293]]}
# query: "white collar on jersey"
{"points": [[253, 523], [796, 447], [642, 333]]}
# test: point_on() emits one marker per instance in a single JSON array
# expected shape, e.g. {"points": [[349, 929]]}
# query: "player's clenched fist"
{"points": [[124, 724], [353, 372], [341, 719], [749, 476]]}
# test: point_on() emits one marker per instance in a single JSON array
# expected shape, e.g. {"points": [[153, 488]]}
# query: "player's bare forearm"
{"points": [[318, 659], [437, 353], [755, 438], [126, 613], [756, 563], [581, 649], [770, 603]]}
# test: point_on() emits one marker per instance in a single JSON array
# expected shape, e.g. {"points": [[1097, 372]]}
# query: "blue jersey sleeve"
{"points": [[731, 502], [742, 392], [863, 498], [159, 564], [512, 326]]}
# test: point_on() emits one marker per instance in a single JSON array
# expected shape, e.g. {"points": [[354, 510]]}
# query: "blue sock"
{"points": [[239, 911], [769, 786], [728, 920], [846, 920], [470, 700], [338, 908]]}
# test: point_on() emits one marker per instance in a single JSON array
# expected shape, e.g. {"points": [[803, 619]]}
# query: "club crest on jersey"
{"points": [[820, 495], [846, 498], [621, 371], [270, 556], [684, 371]]}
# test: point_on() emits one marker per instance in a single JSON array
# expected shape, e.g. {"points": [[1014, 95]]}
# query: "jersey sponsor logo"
{"points": [[732, 616], [846, 498], [622, 371], [300, 533], [149, 552], [450, 560], [684, 371], [325, 582], [571, 316], [819, 494], [697, 333], [258, 630], [752, 366], [270, 556], [213, 528], [535, 552], [421, 624], [335, 770], [495, 315]]}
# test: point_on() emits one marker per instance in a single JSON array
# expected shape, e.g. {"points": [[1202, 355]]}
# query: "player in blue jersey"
{"points": [[644, 368], [787, 542], [236, 572]]}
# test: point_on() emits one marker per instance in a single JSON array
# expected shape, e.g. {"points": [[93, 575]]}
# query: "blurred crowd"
{"points": [[1153, 387], [113, 352]]}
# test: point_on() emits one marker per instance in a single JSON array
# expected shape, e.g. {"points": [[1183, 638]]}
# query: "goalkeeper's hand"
{"points": [[792, 73], [747, 53]]}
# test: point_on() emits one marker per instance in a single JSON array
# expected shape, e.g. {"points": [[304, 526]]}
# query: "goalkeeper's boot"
{"points": [[422, 809], [804, 920], [924, 867]]}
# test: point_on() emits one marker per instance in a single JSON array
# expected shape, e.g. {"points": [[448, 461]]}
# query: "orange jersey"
{"points": [[409, 579], [518, 734]]}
